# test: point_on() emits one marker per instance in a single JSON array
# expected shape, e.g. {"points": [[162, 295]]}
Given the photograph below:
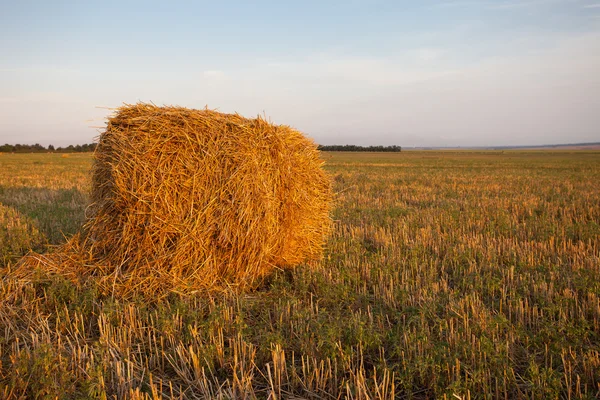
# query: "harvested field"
{"points": [[447, 275]]}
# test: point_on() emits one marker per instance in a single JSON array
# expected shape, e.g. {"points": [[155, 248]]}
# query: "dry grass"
{"points": [[18, 234], [186, 200]]}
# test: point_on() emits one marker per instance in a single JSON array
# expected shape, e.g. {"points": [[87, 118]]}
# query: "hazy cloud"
{"points": [[214, 74]]}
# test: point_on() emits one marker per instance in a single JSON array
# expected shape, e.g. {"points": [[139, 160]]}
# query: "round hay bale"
{"points": [[195, 199]]}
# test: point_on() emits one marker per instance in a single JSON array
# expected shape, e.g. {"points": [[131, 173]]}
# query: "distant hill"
{"points": [[565, 146], [581, 146]]}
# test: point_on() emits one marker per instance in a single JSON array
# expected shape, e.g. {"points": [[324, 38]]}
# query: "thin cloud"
{"points": [[496, 5], [409, 66], [458, 3], [213, 74], [508, 5], [429, 54]]}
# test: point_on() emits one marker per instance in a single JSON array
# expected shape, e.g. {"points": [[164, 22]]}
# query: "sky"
{"points": [[408, 73]]}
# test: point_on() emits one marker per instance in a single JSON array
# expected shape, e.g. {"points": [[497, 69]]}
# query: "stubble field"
{"points": [[448, 275]]}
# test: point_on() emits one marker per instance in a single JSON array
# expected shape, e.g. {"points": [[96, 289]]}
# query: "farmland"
{"points": [[448, 275]]}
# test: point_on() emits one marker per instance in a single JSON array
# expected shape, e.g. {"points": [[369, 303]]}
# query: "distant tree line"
{"points": [[83, 148], [38, 148], [351, 147]]}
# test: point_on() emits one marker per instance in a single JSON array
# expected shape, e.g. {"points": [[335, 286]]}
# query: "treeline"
{"points": [[351, 147], [38, 148], [83, 148]]}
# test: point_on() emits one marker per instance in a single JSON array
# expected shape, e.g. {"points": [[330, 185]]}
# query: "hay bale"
{"points": [[191, 199]]}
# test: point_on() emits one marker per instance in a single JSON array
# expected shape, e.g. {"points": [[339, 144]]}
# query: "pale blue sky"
{"points": [[412, 73]]}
